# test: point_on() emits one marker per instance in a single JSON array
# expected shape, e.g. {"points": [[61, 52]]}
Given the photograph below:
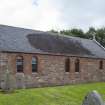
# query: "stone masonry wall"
{"points": [[51, 70]]}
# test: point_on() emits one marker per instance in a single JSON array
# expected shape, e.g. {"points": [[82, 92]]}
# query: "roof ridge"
{"points": [[20, 27], [67, 36], [51, 33]]}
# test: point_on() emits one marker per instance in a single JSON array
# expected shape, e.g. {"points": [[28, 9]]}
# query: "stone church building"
{"points": [[36, 58]]}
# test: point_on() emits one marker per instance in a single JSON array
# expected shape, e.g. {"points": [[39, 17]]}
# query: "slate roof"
{"points": [[14, 39]]}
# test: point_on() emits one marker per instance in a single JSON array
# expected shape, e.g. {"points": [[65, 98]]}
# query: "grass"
{"points": [[64, 95]]}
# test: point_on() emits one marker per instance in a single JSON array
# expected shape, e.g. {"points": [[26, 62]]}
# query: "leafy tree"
{"points": [[66, 32], [74, 32], [98, 33], [78, 33], [100, 36], [90, 33]]}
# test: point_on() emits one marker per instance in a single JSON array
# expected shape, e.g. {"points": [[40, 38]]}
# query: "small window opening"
{"points": [[19, 64], [101, 64], [34, 64], [77, 65], [67, 65]]}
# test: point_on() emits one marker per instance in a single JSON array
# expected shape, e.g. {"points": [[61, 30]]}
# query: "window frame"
{"points": [[67, 65], [35, 70], [101, 64], [77, 65], [21, 65]]}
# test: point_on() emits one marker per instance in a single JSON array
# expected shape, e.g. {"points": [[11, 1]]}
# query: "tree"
{"points": [[98, 33], [100, 36], [65, 32], [78, 33], [89, 34], [74, 32]]}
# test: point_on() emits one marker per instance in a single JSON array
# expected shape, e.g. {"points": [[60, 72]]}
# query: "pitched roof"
{"points": [[14, 39]]}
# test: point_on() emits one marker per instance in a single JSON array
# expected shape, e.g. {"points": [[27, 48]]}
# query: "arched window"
{"points": [[67, 65], [101, 64], [19, 64], [34, 64], [77, 65]]}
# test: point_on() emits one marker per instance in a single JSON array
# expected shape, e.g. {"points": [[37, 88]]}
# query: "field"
{"points": [[61, 95]]}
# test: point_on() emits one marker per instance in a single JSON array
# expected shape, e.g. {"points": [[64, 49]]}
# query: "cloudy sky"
{"points": [[53, 14]]}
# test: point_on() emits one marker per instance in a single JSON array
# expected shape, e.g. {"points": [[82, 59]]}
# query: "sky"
{"points": [[53, 14]]}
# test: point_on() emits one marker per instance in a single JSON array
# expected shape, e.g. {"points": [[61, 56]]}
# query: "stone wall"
{"points": [[51, 70]]}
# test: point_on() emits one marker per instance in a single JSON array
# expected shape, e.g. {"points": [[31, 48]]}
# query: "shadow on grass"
{"points": [[8, 92]]}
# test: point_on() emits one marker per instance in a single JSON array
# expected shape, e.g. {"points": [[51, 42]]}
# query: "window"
{"points": [[34, 64], [67, 65], [77, 65], [101, 64], [19, 64]]}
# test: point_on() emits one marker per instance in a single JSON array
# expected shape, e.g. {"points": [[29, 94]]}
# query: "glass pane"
{"points": [[34, 64], [34, 60], [19, 63]]}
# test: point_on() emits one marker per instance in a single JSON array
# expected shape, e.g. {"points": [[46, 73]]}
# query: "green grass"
{"points": [[64, 95]]}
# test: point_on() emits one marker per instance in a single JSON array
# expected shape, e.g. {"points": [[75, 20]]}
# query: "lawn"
{"points": [[61, 95]]}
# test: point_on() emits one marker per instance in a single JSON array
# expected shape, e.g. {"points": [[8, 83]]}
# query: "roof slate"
{"points": [[16, 39]]}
